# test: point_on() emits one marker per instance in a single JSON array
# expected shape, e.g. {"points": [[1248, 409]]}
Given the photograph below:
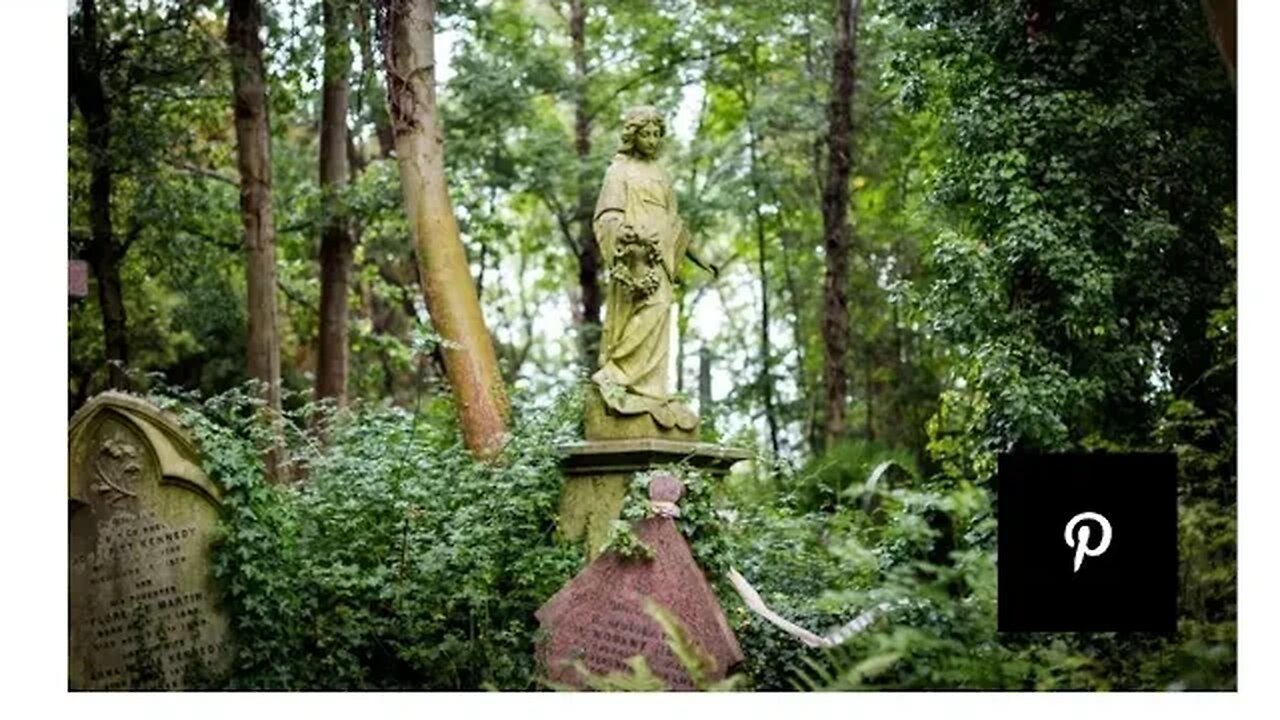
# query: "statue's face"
{"points": [[648, 140]]}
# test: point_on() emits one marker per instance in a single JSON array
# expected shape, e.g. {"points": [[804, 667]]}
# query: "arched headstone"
{"points": [[142, 607]]}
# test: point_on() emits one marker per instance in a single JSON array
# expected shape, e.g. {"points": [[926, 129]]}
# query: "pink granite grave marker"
{"points": [[599, 617]]}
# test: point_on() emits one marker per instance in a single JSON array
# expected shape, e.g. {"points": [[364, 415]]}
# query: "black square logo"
{"points": [[1088, 542]]}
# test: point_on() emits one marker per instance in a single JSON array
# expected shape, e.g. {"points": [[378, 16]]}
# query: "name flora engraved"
{"points": [[143, 612]]}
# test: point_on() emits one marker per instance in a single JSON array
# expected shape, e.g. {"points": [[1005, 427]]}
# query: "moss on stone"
{"points": [[588, 505]]}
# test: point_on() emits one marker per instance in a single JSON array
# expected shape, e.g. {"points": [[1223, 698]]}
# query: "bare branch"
{"points": [[557, 209], [657, 70], [208, 173]]}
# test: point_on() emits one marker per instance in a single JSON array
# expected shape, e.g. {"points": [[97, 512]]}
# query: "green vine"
{"points": [[698, 522], [623, 540]]}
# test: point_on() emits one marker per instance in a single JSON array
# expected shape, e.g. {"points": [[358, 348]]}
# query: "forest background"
{"points": [[1020, 235]]}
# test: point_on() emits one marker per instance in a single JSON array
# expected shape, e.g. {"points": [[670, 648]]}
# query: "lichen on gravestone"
{"points": [[143, 610]]}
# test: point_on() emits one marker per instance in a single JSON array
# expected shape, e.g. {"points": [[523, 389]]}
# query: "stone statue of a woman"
{"points": [[643, 242]]}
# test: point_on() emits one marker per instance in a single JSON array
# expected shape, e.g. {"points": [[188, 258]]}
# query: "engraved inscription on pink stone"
{"points": [[599, 617]]}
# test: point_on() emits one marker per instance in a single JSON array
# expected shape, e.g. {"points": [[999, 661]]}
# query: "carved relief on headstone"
{"points": [[599, 617], [142, 610]]}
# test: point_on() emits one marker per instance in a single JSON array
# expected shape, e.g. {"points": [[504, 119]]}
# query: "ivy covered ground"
{"points": [[403, 563]]}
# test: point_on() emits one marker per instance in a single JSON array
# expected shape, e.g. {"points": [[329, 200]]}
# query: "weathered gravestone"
{"points": [[143, 613], [599, 618]]}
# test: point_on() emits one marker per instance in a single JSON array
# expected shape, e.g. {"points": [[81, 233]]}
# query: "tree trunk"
{"points": [[798, 334], [589, 258], [766, 352], [336, 240], [870, 391], [253, 150], [377, 110], [104, 251], [1221, 16], [470, 361], [836, 234]]}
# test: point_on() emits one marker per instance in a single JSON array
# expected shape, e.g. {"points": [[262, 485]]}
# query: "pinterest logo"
{"points": [[1125, 582], [1079, 539]]}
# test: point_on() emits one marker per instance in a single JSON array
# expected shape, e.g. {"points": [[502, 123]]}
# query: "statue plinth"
{"points": [[597, 474]]}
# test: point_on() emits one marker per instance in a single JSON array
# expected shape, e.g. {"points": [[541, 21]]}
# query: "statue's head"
{"points": [[642, 132]]}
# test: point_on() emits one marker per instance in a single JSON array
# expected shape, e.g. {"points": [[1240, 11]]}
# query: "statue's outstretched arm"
{"points": [[708, 266]]}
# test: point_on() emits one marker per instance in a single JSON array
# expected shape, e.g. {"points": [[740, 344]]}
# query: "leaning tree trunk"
{"points": [[588, 252], [835, 222], [470, 361], [1221, 16], [336, 243], [253, 149], [104, 251]]}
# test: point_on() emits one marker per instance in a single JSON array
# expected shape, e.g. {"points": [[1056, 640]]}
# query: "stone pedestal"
{"points": [[598, 472]]}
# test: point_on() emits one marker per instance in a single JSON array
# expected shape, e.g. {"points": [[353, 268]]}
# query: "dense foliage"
{"points": [[401, 563]]}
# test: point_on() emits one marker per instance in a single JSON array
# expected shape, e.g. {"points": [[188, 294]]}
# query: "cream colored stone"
{"points": [[143, 612]]}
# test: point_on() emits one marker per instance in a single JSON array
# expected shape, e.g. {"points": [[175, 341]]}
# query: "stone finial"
{"points": [[665, 487], [665, 490]]}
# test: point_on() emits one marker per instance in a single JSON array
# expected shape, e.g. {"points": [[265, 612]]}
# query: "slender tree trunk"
{"points": [[589, 259], [105, 259], [336, 243], [762, 256], [470, 361], [704, 380], [835, 221], [253, 149], [870, 391], [377, 110], [104, 253], [799, 336]]}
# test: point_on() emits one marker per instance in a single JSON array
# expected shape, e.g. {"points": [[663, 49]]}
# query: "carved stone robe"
{"points": [[636, 338]]}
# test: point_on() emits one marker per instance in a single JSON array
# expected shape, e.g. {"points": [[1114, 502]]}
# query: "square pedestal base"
{"points": [[597, 474]]}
